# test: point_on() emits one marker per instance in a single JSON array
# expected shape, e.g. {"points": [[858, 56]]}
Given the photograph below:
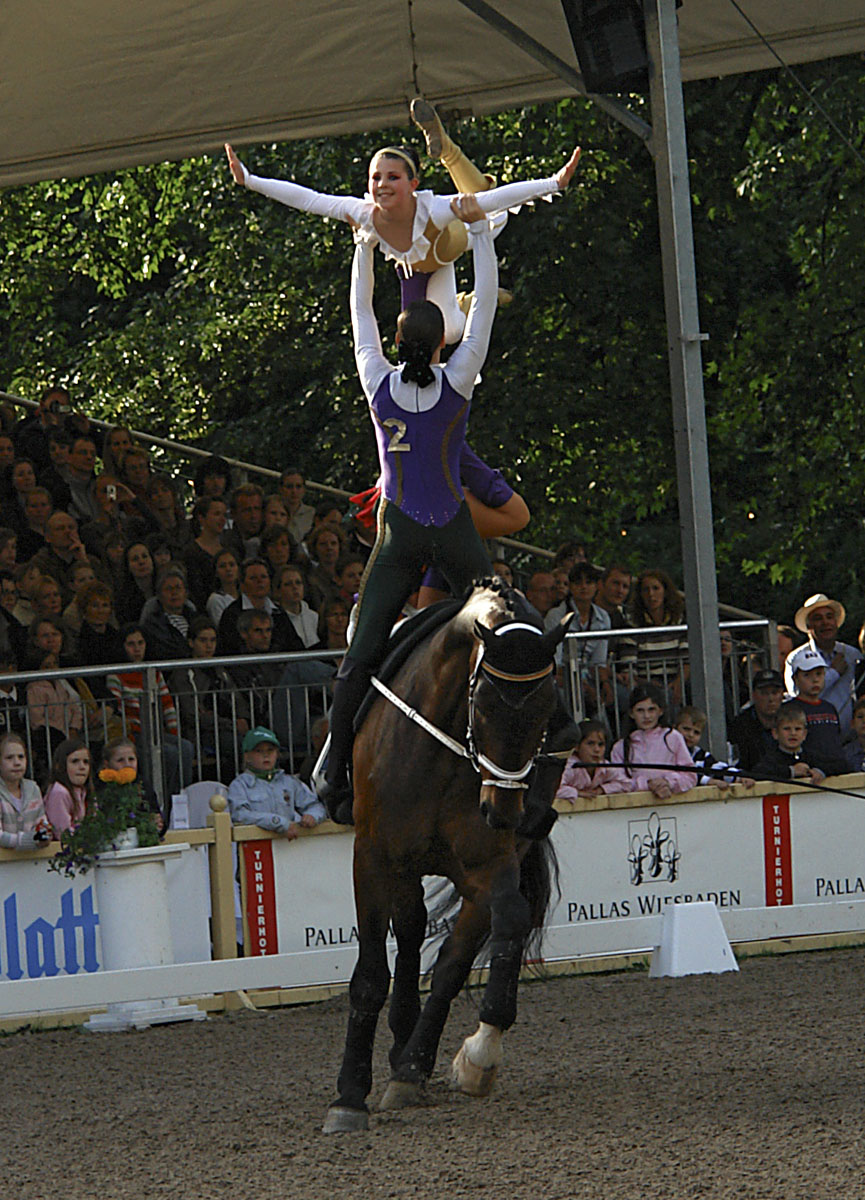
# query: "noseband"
{"points": [[500, 778]]}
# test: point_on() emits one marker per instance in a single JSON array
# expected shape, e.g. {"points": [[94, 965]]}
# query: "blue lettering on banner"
{"points": [[87, 923], [40, 939], [13, 951], [39, 946]]}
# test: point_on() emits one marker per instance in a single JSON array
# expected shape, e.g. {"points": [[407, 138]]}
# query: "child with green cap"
{"points": [[263, 795]]}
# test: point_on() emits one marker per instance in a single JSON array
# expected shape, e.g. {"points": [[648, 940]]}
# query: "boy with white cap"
{"points": [[822, 748], [820, 617]]}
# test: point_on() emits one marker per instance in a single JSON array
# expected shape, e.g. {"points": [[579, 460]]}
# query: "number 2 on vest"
{"points": [[396, 443]]}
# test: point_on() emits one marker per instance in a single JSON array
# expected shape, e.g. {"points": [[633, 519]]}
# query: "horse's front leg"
{"points": [[367, 993], [479, 1057], [451, 970]]}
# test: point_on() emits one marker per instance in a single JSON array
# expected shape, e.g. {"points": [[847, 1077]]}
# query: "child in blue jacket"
{"points": [[265, 796]]}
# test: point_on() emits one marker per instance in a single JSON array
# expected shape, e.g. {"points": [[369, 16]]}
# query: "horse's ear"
{"points": [[553, 636], [484, 634]]}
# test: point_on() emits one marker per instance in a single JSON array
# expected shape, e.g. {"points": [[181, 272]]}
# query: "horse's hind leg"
{"points": [[367, 994], [409, 926]]}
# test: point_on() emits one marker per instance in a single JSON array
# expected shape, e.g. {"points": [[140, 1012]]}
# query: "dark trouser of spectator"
{"points": [[177, 757], [295, 707]]}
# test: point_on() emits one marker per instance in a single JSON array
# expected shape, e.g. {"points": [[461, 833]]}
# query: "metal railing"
{"points": [[217, 700], [601, 692], [285, 692]]}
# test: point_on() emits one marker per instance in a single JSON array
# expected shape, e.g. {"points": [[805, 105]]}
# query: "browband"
{"points": [[485, 666]]}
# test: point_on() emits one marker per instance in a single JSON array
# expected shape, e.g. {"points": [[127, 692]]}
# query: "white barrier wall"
{"points": [[775, 864], [49, 925]]}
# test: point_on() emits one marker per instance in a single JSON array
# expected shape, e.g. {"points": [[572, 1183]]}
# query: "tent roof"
{"points": [[97, 85]]}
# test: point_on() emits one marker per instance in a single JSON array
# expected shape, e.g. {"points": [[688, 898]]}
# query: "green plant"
{"points": [[120, 806]]}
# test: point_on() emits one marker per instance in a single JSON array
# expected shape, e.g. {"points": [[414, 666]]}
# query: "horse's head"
{"points": [[512, 696]]}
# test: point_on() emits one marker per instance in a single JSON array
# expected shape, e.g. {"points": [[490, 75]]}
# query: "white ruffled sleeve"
{"points": [[294, 195], [508, 198]]}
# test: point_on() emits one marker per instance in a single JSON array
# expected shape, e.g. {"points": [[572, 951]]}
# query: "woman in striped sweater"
{"points": [[127, 687]]}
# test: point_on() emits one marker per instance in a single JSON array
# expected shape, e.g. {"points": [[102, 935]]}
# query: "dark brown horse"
{"points": [[445, 799]]}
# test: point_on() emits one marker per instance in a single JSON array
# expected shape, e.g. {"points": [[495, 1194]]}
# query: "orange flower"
{"points": [[124, 775]]}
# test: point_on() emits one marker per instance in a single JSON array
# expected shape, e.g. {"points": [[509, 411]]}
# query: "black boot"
{"points": [[337, 793], [539, 816]]}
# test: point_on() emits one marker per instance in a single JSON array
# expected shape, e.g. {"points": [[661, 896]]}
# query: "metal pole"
{"points": [[557, 66], [150, 715], [686, 370]]}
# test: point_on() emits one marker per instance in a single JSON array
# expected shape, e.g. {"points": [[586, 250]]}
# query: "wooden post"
{"points": [[222, 881], [223, 927]]}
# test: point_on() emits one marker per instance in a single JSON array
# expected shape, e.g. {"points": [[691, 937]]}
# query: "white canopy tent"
{"points": [[95, 85]]}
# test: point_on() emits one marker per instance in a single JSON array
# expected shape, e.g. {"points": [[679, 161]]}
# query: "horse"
{"points": [[428, 801]]}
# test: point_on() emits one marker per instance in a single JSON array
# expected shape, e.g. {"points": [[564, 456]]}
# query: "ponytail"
{"points": [[416, 357]]}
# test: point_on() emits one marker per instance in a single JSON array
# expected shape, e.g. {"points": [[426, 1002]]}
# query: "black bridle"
{"points": [[492, 775]]}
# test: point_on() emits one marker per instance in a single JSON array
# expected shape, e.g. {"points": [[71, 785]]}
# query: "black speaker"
{"points": [[609, 38]]}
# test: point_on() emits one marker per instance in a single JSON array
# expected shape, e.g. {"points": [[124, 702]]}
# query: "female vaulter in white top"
{"points": [[415, 228]]}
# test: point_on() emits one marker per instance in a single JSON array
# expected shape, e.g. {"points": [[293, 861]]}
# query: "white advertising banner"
{"points": [[300, 901], [776, 866], [49, 925]]}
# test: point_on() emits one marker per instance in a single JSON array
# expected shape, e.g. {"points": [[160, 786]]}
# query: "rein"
{"points": [[414, 715], [482, 765], [558, 755]]}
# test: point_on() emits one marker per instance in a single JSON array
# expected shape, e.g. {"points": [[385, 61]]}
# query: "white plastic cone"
{"points": [[693, 942]]}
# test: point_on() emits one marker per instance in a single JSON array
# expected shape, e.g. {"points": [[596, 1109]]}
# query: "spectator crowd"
{"points": [[108, 562]]}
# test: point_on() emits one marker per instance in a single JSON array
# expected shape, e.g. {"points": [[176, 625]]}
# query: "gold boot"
{"points": [[463, 172], [426, 118], [464, 300]]}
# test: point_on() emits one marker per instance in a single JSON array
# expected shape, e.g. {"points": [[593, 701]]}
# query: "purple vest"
{"points": [[419, 453]]}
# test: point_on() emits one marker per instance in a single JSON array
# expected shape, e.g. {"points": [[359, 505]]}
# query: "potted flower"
{"points": [[118, 820]]}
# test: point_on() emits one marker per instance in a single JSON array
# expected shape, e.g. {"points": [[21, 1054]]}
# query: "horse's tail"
{"points": [[539, 883]]}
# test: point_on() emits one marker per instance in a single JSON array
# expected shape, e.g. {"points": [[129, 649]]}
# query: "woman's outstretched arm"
{"points": [[294, 195], [512, 195]]}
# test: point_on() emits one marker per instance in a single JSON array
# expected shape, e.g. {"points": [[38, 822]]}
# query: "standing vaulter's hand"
{"points": [[235, 165], [466, 207], [566, 174]]}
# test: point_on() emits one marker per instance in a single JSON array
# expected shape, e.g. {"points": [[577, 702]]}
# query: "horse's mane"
{"points": [[491, 601]]}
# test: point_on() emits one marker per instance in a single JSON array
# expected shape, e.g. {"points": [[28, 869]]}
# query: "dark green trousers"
{"points": [[402, 549]]}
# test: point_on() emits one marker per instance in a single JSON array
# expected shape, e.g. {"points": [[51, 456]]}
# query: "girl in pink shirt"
{"points": [[70, 792], [651, 742], [586, 773]]}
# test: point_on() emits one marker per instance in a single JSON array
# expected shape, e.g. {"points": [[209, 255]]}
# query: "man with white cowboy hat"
{"points": [[821, 619]]}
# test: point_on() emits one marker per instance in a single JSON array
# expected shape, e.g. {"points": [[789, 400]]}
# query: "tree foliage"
{"points": [[169, 298]]}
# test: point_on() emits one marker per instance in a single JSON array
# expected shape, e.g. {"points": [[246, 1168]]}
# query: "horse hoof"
{"points": [[345, 1120], [467, 1077], [400, 1095]]}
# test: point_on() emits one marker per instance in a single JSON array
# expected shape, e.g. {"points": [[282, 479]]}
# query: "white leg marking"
{"points": [[477, 1063], [484, 1048]]}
